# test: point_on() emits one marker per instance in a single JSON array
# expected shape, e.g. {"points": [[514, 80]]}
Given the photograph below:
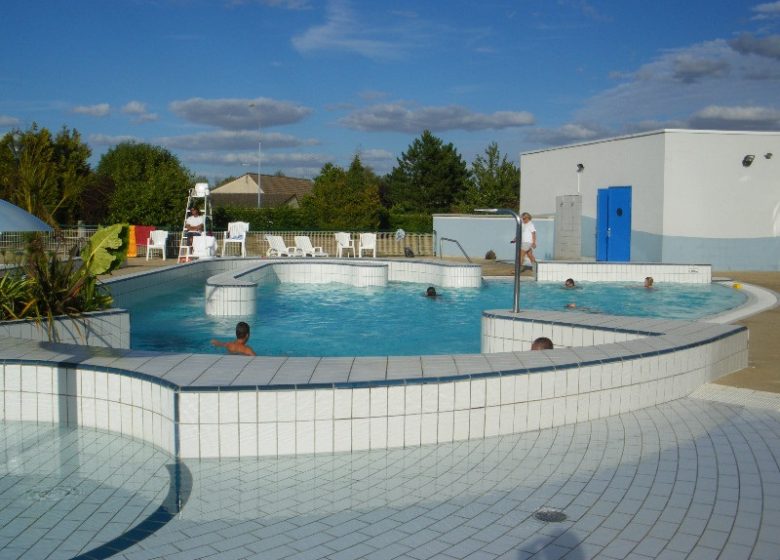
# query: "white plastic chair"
{"points": [[279, 249], [367, 243], [204, 247], [303, 243], [236, 233], [158, 238], [344, 242]]}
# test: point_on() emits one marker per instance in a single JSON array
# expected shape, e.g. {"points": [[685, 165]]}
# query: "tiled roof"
{"points": [[274, 186]]}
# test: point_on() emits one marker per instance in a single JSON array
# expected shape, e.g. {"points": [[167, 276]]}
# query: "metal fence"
{"points": [[14, 243], [422, 244]]}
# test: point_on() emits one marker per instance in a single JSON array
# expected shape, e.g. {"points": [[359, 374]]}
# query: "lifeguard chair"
{"points": [[196, 193]]}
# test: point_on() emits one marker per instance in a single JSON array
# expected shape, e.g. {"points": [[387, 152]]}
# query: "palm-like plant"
{"points": [[46, 286]]}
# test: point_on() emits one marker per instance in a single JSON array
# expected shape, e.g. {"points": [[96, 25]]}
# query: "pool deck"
{"points": [[697, 477]]}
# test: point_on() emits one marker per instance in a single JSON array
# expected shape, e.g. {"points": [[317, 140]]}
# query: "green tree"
{"points": [[344, 199], [45, 175], [150, 185], [430, 176], [495, 182]]}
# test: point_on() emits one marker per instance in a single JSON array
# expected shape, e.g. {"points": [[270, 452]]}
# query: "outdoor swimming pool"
{"points": [[340, 320]]}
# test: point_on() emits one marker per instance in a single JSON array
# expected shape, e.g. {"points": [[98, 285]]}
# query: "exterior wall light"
{"points": [[747, 161]]}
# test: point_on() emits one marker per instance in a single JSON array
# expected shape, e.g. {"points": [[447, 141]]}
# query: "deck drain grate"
{"points": [[52, 494], [550, 515]]}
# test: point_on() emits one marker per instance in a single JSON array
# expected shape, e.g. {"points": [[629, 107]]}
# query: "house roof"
{"points": [[274, 187]]}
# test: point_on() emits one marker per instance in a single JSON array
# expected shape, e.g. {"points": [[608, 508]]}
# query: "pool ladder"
{"points": [[441, 254]]}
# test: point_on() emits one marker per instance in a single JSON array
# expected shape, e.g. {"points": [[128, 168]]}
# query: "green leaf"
{"points": [[106, 249]]}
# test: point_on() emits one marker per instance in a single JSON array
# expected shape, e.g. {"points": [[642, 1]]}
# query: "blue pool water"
{"points": [[339, 320]]}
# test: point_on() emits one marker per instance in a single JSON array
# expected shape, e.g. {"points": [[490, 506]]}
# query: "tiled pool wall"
{"points": [[234, 293], [100, 328], [623, 272], [520, 392], [188, 406], [130, 405]]}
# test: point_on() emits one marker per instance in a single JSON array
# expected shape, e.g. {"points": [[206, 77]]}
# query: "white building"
{"points": [[688, 196]]}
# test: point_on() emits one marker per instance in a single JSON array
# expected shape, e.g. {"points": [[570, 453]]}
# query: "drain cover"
{"points": [[52, 494], [550, 515]]}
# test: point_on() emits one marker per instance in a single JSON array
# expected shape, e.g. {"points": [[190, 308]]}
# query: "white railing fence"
{"points": [[421, 244]]}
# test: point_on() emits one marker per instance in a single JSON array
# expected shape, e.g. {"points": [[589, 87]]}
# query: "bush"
{"points": [[280, 218], [410, 222], [490, 255]]}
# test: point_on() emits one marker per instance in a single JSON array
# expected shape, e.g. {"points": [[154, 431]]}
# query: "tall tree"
{"points": [[150, 185], [45, 175], [344, 199], [430, 176], [495, 182]]}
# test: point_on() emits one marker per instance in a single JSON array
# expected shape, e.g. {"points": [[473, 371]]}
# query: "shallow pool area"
{"points": [[335, 319], [66, 491]]}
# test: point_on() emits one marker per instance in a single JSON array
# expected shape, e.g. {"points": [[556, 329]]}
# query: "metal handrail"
{"points": [[456, 243]]}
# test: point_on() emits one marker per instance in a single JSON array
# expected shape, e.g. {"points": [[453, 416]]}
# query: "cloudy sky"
{"points": [[317, 81]]}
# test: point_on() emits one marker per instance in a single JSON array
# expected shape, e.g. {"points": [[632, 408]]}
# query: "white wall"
{"points": [[634, 161], [710, 194], [480, 234]]}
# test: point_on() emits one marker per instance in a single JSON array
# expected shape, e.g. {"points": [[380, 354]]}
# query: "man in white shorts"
{"points": [[528, 240]]}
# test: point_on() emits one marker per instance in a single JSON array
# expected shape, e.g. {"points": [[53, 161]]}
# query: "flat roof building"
{"points": [[672, 196]]}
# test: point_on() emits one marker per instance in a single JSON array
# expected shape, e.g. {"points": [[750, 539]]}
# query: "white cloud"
{"points": [[689, 69], [566, 134], [682, 82], [134, 108], [5, 120], [99, 110], [747, 43], [139, 111], [270, 161], [395, 36], [342, 32], [239, 114], [233, 140], [737, 118], [107, 140], [399, 118], [769, 10]]}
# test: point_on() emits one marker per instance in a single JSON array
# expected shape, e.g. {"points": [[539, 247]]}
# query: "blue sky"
{"points": [[319, 81]]}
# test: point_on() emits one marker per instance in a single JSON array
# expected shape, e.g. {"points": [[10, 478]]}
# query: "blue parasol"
{"points": [[13, 218]]}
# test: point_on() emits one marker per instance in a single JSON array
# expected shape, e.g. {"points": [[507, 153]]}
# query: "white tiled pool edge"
{"points": [[558, 271], [387, 402], [234, 293]]}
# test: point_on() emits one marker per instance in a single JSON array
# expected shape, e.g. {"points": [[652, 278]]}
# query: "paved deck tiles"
{"points": [[693, 478]]}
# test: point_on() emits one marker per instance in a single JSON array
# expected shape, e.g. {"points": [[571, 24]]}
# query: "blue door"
{"points": [[613, 224]]}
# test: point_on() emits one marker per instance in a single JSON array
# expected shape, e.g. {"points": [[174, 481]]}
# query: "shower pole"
{"points": [[518, 238]]}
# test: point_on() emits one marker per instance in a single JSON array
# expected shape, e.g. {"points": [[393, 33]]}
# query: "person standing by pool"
{"points": [[239, 345], [528, 240]]}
